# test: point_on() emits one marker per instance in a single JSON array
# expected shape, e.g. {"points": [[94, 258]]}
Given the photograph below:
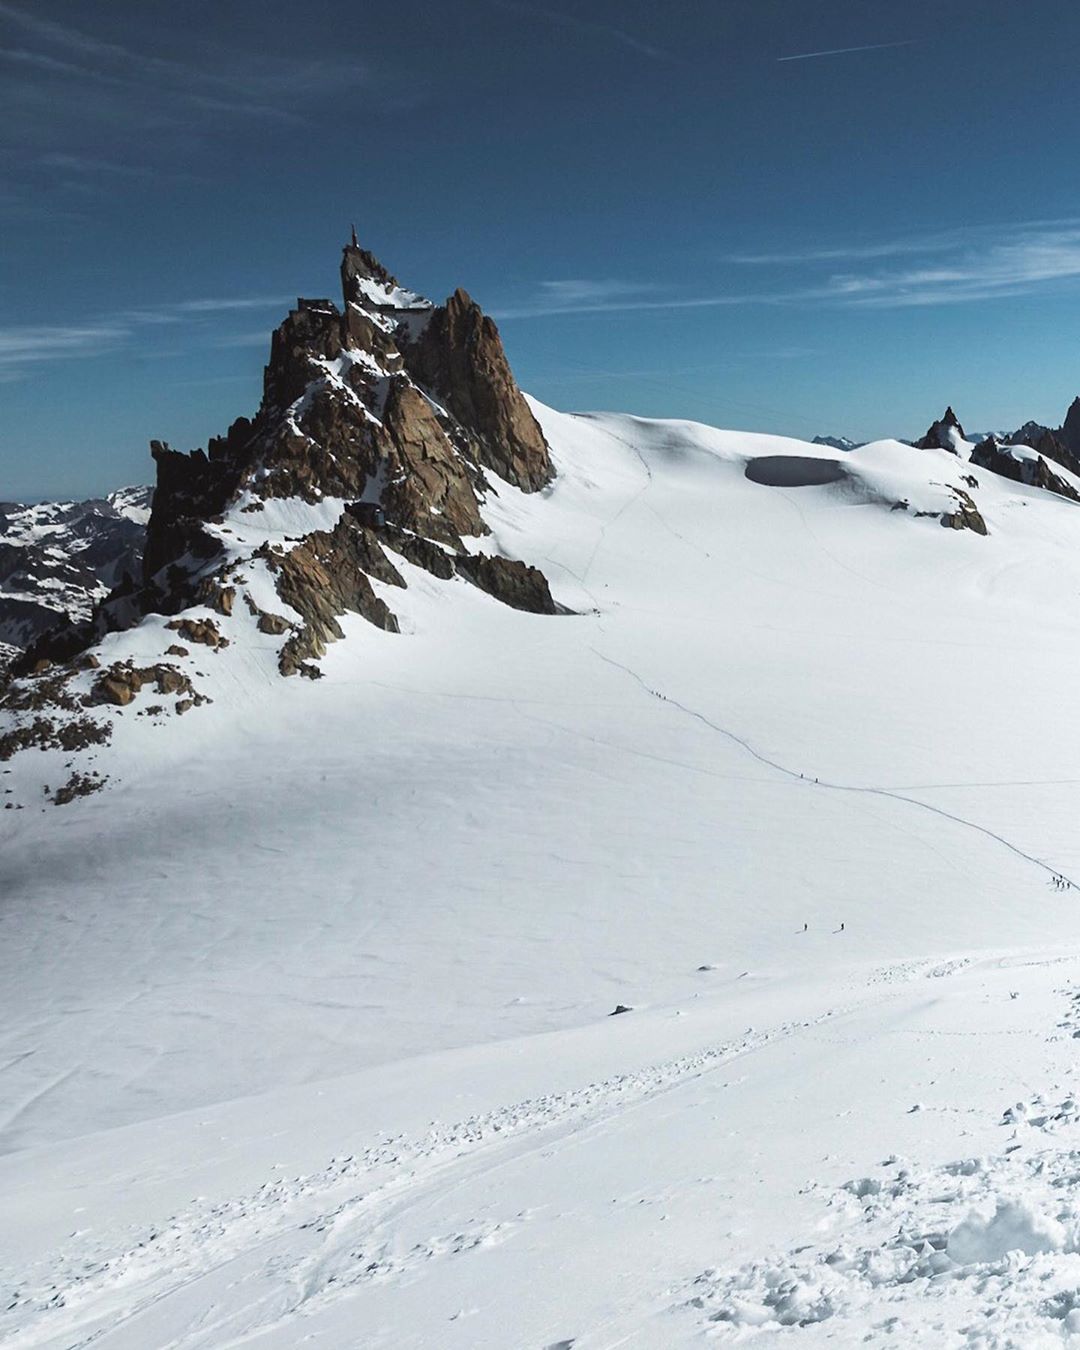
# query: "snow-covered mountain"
{"points": [[57, 559], [836, 442], [307, 1013]]}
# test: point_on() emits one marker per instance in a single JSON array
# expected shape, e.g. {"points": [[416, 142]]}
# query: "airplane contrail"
{"points": [[843, 51]]}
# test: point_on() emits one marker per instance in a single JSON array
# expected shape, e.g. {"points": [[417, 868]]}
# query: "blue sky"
{"points": [[706, 209]]}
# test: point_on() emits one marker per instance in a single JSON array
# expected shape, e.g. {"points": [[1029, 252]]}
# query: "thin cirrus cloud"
{"points": [[102, 76], [982, 264], [614, 297], [23, 347], [94, 166], [961, 267], [609, 32], [847, 51]]}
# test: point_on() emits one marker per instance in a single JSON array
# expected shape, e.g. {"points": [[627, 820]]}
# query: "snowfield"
{"points": [[306, 1030]]}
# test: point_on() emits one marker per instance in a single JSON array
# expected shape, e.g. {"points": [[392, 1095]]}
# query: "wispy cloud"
{"points": [[26, 345], [598, 291], [229, 304], [29, 345], [96, 167], [983, 264], [959, 267], [610, 32], [853, 252], [60, 71], [614, 297], [847, 51]]}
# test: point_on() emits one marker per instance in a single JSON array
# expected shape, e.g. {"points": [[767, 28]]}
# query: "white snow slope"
{"points": [[305, 1034]]}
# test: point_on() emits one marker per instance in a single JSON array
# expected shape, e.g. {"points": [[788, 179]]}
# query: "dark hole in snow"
{"points": [[794, 471]]}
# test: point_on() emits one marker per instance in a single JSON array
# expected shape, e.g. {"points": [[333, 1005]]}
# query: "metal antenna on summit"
{"points": [[355, 241]]}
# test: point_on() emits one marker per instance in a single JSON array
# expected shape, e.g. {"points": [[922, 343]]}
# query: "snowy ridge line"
{"points": [[66, 1292], [824, 783]]}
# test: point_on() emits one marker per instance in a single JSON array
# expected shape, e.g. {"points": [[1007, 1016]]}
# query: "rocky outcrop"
{"points": [[1047, 442], [944, 434], [1069, 434], [1021, 468], [459, 358], [391, 400], [1051, 446], [514, 583], [966, 516], [326, 576], [46, 714], [428, 492], [121, 682], [203, 631]]}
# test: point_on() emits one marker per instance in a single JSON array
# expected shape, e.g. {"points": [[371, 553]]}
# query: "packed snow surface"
{"points": [[306, 1033]]}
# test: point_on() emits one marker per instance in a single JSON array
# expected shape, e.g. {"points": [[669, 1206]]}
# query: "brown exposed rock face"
{"points": [[326, 576], [120, 683], [429, 492], [203, 631], [272, 624], [459, 358]]}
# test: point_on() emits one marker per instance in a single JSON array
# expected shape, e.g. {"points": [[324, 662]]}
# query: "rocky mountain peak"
{"points": [[366, 282], [390, 421], [944, 434], [1070, 429], [390, 398]]}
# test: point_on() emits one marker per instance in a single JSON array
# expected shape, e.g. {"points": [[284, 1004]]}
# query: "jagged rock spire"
{"points": [[1070, 428], [390, 401], [943, 434]]}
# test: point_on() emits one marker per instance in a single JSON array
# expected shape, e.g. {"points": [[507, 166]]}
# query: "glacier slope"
{"points": [[413, 890]]}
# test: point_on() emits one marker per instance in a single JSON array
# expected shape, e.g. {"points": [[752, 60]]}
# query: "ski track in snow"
{"points": [[342, 1216]]}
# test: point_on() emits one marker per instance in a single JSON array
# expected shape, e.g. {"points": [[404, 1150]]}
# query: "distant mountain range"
{"points": [[57, 559], [837, 442]]}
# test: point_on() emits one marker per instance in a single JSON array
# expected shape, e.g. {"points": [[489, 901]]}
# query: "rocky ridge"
{"points": [[1024, 456], [386, 423]]}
